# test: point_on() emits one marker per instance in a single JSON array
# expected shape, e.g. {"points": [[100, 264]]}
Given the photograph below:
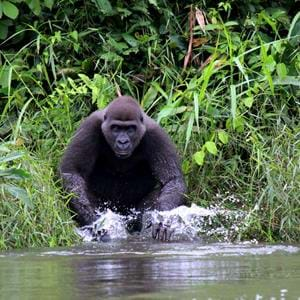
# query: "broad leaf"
{"points": [[133, 42], [281, 70], [14, 173], [18, 193], [223, 136], [248, 101], [199, 157], [105, 7], [211, 147], [35, 6], [49, 3], [11, 156], [9, 9]]}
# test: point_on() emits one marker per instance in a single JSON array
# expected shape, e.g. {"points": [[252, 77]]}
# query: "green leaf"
{"points": [[186, 166], [111, 56], [270, 63], [86, 80], [3, 30], [294, 29], [119, 46], [14, 173], [211, 147], [10, 10], [165, 112], [160, 90], [105, 7], [241, 68], [11, 156], [238, 124], [153, 2], [49, 3], [223, 136], [292, 80], [248, 101], [4, 76], [199, 157], [281, 70], [18, 193], [35, 6], [130, 40], [149, 97], [212, 27], [189, 130], [3, 148], [231, 23], [74, 35]]}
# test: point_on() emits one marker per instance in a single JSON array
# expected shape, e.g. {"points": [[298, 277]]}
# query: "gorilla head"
{"points": [[123, 126]]}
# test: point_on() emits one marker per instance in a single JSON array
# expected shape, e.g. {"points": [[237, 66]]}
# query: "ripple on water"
{"points": [[158, 249]]}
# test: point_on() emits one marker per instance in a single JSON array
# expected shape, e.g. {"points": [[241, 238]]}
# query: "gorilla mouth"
{"points": [[122, 154]]}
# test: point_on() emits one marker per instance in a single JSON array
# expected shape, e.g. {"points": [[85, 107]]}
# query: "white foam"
{"points": [[187, 223]]}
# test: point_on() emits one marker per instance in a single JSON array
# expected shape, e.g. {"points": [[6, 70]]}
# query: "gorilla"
{"points": [[121, 159]]}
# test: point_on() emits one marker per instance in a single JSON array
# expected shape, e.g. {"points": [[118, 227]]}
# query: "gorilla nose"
{"points": [[123, 144]]}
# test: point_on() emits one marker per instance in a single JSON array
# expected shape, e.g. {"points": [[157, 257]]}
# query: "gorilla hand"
{"points": [[162, 231], [101, 236], [134, 223]]}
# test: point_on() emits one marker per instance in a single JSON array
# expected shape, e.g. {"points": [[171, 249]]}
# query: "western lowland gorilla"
{"points": [[121, 159]]}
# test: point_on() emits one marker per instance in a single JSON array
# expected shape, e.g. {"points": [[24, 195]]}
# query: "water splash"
{"points": [[186, 223], [108, 222]]}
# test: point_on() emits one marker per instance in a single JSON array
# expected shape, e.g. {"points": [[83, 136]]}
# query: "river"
{"points": [[147, 269]]}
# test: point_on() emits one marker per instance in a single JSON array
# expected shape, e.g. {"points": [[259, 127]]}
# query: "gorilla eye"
{"points": [[115, 128], [131, 129]]}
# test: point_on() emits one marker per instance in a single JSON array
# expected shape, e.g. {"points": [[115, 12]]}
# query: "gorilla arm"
{"points": [[165, 166], [77, 164]]}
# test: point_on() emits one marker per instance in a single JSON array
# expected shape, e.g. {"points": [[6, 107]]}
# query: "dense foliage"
{"points": [[221, 77]]}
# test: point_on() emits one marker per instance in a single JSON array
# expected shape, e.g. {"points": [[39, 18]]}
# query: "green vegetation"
{"points": [[221, 77]]}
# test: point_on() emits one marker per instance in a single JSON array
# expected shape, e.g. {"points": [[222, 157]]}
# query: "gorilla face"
{"points": [[123, 126], [123, 138]]}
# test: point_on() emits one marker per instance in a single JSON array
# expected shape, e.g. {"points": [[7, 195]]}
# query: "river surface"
{"points": [[148, 269]]}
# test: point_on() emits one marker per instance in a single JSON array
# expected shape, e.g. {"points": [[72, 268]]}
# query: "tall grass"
{"points": [[36, 212], [233, 109]]}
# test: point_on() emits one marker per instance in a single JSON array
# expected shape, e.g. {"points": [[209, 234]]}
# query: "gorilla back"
{"points": [[119, 158]]}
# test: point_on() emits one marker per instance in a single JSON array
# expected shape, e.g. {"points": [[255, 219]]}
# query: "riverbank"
{"points": [[222, 79]]}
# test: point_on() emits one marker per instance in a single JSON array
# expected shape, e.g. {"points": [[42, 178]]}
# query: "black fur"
{"points": [[148, 178]]}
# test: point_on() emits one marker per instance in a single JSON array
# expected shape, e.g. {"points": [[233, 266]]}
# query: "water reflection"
{"points": [[144, 270]]}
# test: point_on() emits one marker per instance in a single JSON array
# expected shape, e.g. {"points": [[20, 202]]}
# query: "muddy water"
{"points": [[146, 269]]}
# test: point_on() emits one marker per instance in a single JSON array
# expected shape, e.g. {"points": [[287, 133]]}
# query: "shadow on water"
{"points": [[145, 269]]}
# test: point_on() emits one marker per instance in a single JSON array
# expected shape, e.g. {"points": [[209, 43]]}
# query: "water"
{"points": [[185, 223], [146, 269], [138, 267]]}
